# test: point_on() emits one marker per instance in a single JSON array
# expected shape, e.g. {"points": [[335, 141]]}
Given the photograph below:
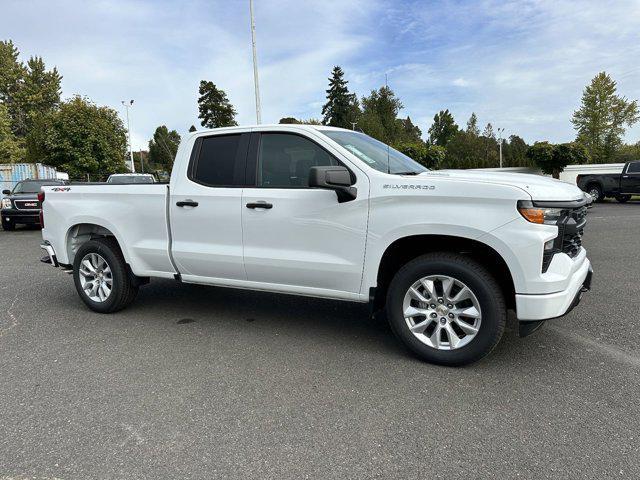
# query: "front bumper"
{"points": [[26, 217], [546, 306]]}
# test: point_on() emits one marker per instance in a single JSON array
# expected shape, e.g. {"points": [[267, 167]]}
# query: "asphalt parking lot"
{"points": [[198, 382]]}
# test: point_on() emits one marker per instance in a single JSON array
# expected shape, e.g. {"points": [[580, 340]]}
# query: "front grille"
{"points": [[27, 204], [569, 240]]}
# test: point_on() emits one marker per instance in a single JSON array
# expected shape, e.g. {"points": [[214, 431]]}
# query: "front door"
{"points": [[299, 236], [205, 210], [630, 180]]}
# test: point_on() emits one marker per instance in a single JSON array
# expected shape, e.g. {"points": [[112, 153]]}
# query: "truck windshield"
{"points": [[31, 186], [374, 153]]}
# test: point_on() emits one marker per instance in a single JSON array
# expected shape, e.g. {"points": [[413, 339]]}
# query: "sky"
{"points": [[521, 65]]}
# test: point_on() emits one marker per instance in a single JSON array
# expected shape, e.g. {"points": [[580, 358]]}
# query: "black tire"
{"points": [[8, 226], [124, 288], [595, 191], [482, 284], [623, 198]]}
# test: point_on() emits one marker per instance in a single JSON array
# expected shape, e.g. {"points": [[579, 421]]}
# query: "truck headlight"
{"points": [[6, 203], [541, 215]]}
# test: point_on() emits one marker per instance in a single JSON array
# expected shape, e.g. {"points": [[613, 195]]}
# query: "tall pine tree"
{"points": [[215, 109], [602, 117], [342, 108]]}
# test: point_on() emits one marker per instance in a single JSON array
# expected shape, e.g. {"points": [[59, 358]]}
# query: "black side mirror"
{"points": [[6, 192], [334, 178]]}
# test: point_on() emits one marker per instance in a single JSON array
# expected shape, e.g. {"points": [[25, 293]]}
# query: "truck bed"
{"points": [[136, 214]]}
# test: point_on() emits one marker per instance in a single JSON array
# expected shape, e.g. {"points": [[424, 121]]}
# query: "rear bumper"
{"points": [[50, 254], [546, 306]]}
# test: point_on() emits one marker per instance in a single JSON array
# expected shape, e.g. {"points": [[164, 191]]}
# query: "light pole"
{"points": [[500, 132], [126, 106], [255, 64]]}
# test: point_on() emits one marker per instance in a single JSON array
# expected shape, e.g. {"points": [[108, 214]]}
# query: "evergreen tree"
{"points": [[163, 147], [443, 128], [342, 108], [28, 91], [602, 117], [11, 149], [192, 129], [409, 131], [472, 125], [379, 117], [215, 109]]}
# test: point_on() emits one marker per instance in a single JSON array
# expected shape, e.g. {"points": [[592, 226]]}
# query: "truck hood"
{"points": [[537, 186]]}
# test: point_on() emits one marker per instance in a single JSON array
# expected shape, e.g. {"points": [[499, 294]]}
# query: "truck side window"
{"points": [[634, 167], [284, 160], [220, 161]]}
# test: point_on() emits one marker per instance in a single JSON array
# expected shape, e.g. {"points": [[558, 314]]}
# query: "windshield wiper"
{"points": [[406, 173]]}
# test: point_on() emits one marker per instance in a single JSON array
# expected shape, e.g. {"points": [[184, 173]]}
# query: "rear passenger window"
{"points": [[220, 161]]}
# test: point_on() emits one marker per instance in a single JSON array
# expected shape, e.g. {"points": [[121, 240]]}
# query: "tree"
{"points": [[552, 159], [295, 121], [601, 119], [431, 156], [11, 149], [28, 91], [163, 147], [342, 108], [79, 138], [443, 128], [192, 129], [11, 75], [379, 116], [464, 150], [472, 125], [214, 107], [38, 94], [515, 152], [409, 131]]}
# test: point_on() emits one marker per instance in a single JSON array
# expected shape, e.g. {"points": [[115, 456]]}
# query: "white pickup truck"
{"points": [[332, 213]]}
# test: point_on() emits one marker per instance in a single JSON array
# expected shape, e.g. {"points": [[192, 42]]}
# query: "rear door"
{"points": [[205, 210], [298, 236], [630, 179]]}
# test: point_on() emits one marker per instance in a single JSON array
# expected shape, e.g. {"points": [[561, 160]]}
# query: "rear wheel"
{"points": [[446, 308], [596, 192], [8, 225], [623, 198], [101, 276]]}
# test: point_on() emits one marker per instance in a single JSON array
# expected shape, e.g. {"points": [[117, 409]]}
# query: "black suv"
{"points": [[21, 205]]}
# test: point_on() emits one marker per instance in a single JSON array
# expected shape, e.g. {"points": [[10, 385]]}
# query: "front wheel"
{"points": [[446, 308], [101, 276]]}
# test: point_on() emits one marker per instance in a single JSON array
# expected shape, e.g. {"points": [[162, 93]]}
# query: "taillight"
{"points": [[41, 200]]}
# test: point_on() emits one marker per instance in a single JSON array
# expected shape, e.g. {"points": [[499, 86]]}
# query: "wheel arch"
{"points": [[80, 233], [405, 249]]}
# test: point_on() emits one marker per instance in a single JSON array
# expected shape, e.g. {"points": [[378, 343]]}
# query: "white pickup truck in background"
{"points": [[327, 212]]}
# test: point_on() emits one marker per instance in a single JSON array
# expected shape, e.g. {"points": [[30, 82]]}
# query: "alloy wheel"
{"points": [[442, 312]]}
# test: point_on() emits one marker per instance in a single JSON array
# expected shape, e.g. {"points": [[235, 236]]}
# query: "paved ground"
{"points": [[197, 382]]}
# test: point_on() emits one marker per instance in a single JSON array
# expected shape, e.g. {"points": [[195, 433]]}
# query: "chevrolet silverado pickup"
{"points": [[621, 186], [333, 213]]}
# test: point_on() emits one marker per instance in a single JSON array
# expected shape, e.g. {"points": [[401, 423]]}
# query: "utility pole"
{"points": [[353, 125], [126, 106], [500, 131], [255, 64]]}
